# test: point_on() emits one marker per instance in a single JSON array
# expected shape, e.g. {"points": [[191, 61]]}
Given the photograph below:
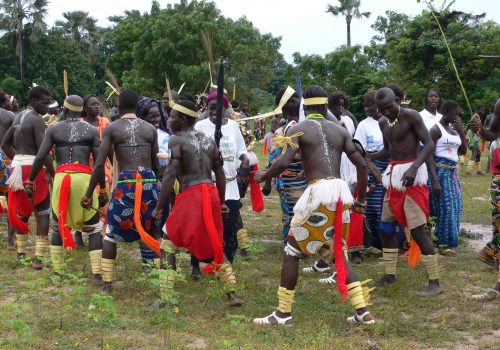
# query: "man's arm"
{"points": [[38, 127], [98, 172], [220, 178], [423, 136], [490, 134], [7, 142], [155, 162], [383, 154], [96, 143], [170, 175], [357, 159], [282, 163], [43, 152]]}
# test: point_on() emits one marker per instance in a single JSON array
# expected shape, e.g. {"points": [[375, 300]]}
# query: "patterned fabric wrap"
{"points": [[4, 172], [121, 208], [493, 247], [448, 207], [495, 204], [289, 189]]}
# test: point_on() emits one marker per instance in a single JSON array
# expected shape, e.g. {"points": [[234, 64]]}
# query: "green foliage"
{"points": [[49, 57], [411, 52], [169, 42], [347, 69]]}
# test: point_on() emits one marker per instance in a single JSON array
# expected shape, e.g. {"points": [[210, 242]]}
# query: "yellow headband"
{"points": [[185, 110], [72, 107], [278, 110], [316, 101]]}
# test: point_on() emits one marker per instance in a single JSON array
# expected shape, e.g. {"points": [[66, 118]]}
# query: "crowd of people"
{"points": [[171, 174]]}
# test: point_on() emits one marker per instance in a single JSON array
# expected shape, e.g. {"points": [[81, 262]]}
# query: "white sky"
{"points": [[304, 25]]}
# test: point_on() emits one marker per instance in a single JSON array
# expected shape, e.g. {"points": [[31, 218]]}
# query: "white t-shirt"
{"points": [[232, 146], [429, 119], [370, 135], [163, 138], [349, 124]]}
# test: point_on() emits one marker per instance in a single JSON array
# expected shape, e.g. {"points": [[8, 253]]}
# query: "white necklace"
{"points": [[391, 124]]}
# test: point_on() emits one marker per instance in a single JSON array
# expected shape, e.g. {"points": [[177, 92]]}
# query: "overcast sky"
{"points": [[303, 24]]}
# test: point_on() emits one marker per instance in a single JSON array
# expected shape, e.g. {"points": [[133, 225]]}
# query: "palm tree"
{"points": [[349, 9], [82, 29], [19, 16]]}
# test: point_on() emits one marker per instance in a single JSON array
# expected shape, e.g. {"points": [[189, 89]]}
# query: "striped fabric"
{"points": [[289, 189], [374, 201], [448, 207]]}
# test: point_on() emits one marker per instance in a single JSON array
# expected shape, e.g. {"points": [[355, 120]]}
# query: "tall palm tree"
{"points": [[82, 29], [20, 16], [349, 9]]}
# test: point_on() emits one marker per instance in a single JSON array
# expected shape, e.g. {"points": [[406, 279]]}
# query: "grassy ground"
{"points": [[40, 311]]}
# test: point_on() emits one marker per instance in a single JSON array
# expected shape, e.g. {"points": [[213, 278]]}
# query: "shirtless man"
{"points": [[74, 141], [195, 222], [325, 203], [407, 198], [21, 144], [134, 198], [6, 119]]}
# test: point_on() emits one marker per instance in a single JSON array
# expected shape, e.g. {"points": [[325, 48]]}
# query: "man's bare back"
{"points": [[27, 132], [135, 143], [321, 147], [198, 154], [74, 141]]}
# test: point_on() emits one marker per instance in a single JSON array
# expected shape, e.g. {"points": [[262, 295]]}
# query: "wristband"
{"points": [[103, 191], [356, 202]]}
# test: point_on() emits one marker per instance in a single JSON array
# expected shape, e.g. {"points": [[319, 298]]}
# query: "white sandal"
{"points": [[489, 295], [273, 319], [315, 268], [360, 319], [329, 280]]}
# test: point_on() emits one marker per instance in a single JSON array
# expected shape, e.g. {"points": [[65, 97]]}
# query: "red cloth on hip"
{"points": [[195, 222], [20, 204], [419, 193]]}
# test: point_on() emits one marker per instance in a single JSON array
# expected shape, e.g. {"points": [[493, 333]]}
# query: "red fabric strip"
{"points": [[62, 215]]}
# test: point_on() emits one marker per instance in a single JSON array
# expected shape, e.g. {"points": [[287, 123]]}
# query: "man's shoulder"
{"points": [[411, 113]]}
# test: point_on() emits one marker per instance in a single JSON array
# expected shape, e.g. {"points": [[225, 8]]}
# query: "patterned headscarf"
{"points": [[142, 109]]}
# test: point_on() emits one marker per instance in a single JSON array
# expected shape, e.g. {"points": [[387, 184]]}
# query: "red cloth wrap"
{"points": [[150, 241], [338, 253], [195, 223], [356, 232], [62, 215], [255, 192], [419, 194], [19, 203]]}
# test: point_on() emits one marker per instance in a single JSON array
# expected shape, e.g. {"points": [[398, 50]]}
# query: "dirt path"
{"points": [[481, 234]]}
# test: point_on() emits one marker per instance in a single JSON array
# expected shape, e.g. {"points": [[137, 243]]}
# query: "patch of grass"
{"points": [[40, 311]]}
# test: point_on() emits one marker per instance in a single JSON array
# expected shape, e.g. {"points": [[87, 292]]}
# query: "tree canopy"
{"points": [[141, 49]]}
